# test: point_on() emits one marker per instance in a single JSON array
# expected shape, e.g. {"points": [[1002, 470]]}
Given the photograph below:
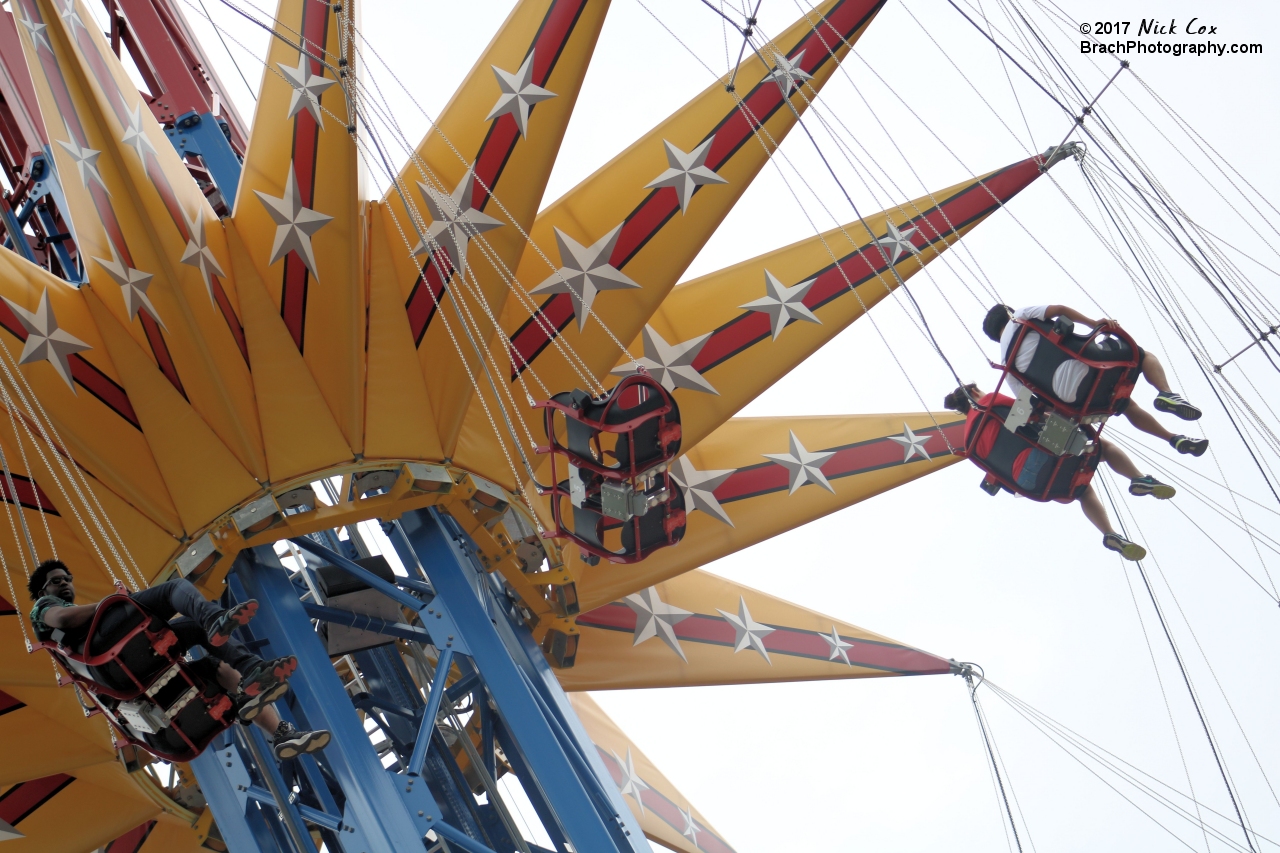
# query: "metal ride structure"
{"points": [[222, 362]]}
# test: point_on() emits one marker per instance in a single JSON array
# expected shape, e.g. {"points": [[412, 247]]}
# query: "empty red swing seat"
{"points": [[617, 450]]}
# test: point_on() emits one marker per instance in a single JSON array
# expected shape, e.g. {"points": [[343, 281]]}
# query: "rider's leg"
{"points": [[180, 596], [1145, 421], [1153, 372], [1119, 461], [231, 653], [1093, 509], [267, 719]]}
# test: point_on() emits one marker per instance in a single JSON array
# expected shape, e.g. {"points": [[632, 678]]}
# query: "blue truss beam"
{"points": [[513, 678], [347, 791]]}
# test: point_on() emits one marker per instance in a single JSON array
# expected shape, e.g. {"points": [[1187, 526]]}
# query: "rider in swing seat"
{"points": [[252, 682], [1032, 460], [1068, 375]]}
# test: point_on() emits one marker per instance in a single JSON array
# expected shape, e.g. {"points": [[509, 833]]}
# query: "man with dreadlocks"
{"points": [[1069, 374], [252, 682]]}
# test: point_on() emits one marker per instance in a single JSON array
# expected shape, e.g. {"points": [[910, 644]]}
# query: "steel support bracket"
{"points": [[201, 134]]}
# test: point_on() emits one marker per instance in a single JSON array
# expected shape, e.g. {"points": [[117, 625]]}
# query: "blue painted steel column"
{"points": [[591, 821], [223, 781], [201, 134], [374, 803]]}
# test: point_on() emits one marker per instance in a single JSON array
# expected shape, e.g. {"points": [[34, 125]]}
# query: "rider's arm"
{"points": [[64, 618], [1055, 311]]}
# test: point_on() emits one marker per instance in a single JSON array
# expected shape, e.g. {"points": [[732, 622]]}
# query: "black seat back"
{"points": [[117, 618], [1055, 481]]}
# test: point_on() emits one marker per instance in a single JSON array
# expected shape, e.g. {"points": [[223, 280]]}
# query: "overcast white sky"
{"points": [[1023, 589]]}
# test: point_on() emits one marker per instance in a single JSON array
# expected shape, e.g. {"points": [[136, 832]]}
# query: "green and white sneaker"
{"points": [[1131, 551], [1151, 486], [1167, 401], [1194, 446]]}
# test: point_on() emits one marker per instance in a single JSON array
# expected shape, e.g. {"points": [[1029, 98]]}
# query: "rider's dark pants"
{"points": [[176, 596]]}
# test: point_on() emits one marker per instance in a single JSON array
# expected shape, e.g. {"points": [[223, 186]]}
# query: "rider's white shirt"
{"points": [[1068, 375]]}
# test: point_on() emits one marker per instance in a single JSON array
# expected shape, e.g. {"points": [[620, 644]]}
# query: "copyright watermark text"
{"points": [[1150, 36]]}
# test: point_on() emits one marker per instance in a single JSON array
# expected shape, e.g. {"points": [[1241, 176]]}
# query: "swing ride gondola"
{"points": [[469, 452], [1040, 421]]}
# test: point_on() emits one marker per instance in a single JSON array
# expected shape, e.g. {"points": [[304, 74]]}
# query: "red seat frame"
{"points": [[666, 418], [1093, 406], [1080, 479], [164, 643]]}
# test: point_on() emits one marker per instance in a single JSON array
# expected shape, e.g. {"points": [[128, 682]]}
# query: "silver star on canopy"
{"points": [[631, 782], [699, 488], [788, 74], [135, 135], [803, 466], [895, 243], [911, 443], [45, 341], [295, 224], [690, 830], [454, 220], [133, 286], [198, 254], [748, 633], [585, 273], [656, 618], [7, 832], [783, 304], [518, 94], [71, 15], [86, 160], [672, 364], [307, 88], [686, 172], [38, 35], [837, 646]]}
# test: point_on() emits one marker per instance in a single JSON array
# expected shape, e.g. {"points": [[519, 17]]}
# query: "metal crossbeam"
{"points": [[386, 797]]}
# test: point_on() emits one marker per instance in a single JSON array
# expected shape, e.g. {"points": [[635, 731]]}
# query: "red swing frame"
{"points": [[1088, 409], [1082, 477], [163, 642], [669, 433]]}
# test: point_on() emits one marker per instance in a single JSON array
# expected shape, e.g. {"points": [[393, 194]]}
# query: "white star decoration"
{"points": [[585, 273], [656, 618], [518, 94], [45, 341], [837, 646], [803, 466], [895, 243], [72, 17], [86, 160], [788, 74], [198, 254], [135, 135], [672, 364], [295, 224], [783, 304], [307, 88], [686, 171], [699, 488], [38, 35], [747, 631], [133, 286], [690, 830], [453, 220], [631, 782], [911, 443]]}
